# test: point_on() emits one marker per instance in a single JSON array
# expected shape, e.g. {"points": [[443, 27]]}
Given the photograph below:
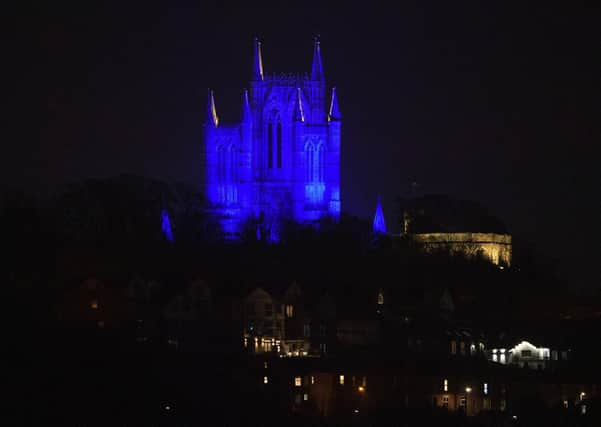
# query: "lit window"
{"points": [[445, 385], [307, 330], [364, 382], [565, 404], [445, 401], [298, 381], [380, 297], [265, 380], [583, 409], [341, 379], [94, 304], [582, 395], [289, 310], [312, 379], [486, 404], [265, 365], [485, 388], [306, 396]]}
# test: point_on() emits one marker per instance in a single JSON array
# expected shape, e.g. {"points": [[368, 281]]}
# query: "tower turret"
{"points": [[246, 113], [257, 61], [298, 115], [212, 119], [316, 67], [334, 113], [379, 225]]}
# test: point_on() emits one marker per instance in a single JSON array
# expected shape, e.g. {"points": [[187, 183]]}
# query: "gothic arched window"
{"points": [[221, 164], [310, 159], [274, 140], [320, 164], [233, 165]]}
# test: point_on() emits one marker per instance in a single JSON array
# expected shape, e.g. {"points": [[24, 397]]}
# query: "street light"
{"points": [[468, 389], [361, 388]]}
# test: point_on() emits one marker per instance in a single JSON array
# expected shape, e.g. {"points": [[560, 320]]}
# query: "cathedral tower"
{"points": [[282, 161]]}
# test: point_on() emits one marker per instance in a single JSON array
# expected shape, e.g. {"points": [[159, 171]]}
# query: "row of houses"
{"points": [[289, 321]]}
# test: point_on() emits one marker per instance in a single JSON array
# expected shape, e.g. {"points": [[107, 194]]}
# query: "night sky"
{"points": [[495, 103]]}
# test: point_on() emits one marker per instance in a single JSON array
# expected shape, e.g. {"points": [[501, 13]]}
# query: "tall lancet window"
{"points": [[320, 164], [274, 141], [221, 173], [315, 162], [233, 166], [310, 158], [221, 164], [232, 175]]}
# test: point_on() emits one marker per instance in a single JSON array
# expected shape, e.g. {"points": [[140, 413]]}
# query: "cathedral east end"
{"points": [[282, 161]]}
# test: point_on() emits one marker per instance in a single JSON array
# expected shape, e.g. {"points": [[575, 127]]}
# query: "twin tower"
{"points": [[282, 161]]}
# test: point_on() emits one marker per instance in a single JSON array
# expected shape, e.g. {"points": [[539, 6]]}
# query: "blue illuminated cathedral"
{"points": [[282, 161]]}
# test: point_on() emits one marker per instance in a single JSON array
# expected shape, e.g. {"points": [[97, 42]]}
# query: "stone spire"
{"points": [[246, 114], [379, 226], [316, 67], [257, 61], [334, 113], [212, 118], [298, 115]]}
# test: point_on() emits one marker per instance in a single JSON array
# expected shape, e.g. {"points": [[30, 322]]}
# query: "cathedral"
{"points": [[281, 162]]}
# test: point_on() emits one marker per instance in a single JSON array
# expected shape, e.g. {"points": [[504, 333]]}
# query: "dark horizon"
{"points": [[489, 103]]}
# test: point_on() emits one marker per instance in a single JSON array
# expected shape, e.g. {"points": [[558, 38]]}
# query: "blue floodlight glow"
{"points": [[379, 226], [166, 226], [282, 160]]}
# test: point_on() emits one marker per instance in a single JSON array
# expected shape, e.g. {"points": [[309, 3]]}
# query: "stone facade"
{"points": [[282, 161]]}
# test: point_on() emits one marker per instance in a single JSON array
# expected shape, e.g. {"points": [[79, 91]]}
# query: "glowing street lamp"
{"points": [[468, 389], [361, 389]]}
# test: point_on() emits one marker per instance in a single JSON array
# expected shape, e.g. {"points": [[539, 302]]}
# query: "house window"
{"points": [[453, 347], [298, 381], [307, 330], [289, 310], [312, 379], [502, 404], [265, 380], [445, 401], [341, 379], [462, 347], [485, 388], [94, 304], [364, 382], [322, 347], [306, 397], [526, 353], [268, 309], [463, 401], [380, 297], [445, 385], [486, 404]]}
